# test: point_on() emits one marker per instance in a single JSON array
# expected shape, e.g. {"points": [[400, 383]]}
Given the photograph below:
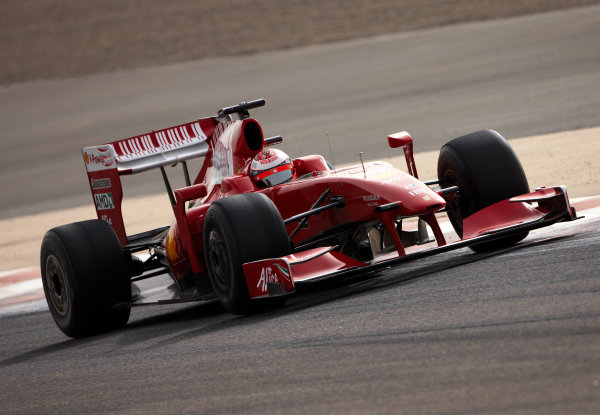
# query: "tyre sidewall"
{"points": [[235, 290], [52, 245]]}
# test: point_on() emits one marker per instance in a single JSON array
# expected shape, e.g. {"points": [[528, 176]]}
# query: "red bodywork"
{"points": [[373, 193]]}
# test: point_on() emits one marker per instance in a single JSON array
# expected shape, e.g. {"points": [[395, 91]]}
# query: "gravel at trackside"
{"points": [[42, 39]]}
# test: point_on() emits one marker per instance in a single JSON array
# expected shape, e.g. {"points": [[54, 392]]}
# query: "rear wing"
{"points": [[168, 147], [152, 150], [106, 163]]}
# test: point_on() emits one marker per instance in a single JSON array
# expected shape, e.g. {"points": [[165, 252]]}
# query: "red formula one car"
{"points": [[254, 224]]}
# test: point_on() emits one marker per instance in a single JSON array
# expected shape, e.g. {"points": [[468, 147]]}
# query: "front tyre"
{"points": [[486, 170], [85, 279], [240, 229]]}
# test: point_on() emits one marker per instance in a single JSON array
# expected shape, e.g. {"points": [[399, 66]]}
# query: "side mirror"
{"points": [[399, 139], [403, 139]]}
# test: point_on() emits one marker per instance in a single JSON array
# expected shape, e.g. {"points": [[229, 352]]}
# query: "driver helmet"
{"points": [[271, 167]]}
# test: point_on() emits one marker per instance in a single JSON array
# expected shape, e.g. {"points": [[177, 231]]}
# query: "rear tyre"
{"points": [[85, 279], [486, 170], [241, 229]]}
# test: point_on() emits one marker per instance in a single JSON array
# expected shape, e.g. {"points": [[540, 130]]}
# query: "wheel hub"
{"points": [[58, 285], [219, 260]]}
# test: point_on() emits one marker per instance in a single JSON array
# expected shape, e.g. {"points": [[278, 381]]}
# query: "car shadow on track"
{"points": [[174, 326], [331, 290]]}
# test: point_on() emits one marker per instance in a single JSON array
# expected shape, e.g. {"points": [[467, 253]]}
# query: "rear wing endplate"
{"points": [[106, 163]]}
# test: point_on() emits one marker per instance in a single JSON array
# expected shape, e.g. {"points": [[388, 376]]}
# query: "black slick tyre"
{"points": [[85, 279], [486, 170], [241, 229]]}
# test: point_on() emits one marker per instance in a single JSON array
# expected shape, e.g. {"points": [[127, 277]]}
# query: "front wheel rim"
{"points": [[218, 259], [58, 286]]}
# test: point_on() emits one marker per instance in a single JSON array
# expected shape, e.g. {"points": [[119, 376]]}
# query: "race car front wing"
{"points": [[279, 276]]}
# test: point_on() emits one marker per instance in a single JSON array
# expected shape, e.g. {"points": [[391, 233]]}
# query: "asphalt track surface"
{"points": [[520, 76], [514, 332]]}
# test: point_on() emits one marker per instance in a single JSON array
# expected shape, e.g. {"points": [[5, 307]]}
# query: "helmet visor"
{"points": [[275, 176]]}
